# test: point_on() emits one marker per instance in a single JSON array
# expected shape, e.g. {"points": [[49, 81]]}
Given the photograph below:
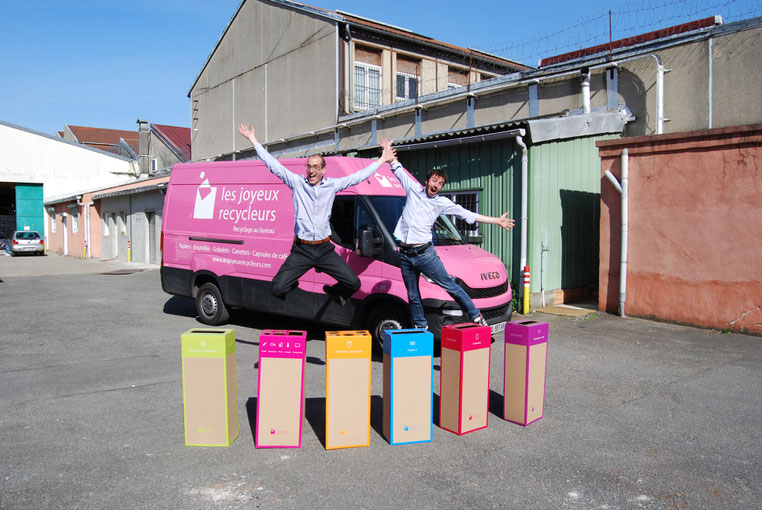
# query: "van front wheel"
{"points": [[209, 305], [387, 317]]}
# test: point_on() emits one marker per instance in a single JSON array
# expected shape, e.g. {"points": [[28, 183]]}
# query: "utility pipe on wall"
{"points": [[624, 190], [85, 216], [586, 90], [660, 71], [524, 197]]}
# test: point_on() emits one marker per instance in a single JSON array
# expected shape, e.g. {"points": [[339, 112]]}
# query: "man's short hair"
{"points": [[440, 173]]}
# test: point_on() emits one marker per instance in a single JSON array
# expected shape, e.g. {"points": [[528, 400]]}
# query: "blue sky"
{"points": [[103, 63]]}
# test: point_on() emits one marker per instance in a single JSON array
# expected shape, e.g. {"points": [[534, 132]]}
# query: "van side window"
{"points": [[364, 217], [343, 221]]}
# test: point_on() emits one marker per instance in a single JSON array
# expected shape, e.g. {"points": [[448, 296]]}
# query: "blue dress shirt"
{"points": [[313, 204]]}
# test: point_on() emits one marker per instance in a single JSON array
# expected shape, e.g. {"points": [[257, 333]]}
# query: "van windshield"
{"points": [[389, 209]]}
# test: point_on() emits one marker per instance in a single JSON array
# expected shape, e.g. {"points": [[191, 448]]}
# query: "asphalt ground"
{"points": [[638, 414]]}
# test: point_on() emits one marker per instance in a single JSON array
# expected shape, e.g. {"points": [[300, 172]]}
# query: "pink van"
{"points": [[228, 226]]}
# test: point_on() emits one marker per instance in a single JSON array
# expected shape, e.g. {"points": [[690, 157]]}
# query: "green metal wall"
{"points": [[29, 208], [493, 168], [564, 213]]}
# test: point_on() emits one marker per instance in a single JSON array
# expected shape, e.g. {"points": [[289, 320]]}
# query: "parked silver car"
{"points": [[27, 241]]}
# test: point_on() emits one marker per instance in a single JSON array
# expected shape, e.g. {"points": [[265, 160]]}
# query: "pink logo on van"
{"points": [[205, 197]]}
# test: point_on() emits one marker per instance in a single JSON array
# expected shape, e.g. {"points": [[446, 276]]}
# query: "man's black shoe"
{"points": [[331, 291]]}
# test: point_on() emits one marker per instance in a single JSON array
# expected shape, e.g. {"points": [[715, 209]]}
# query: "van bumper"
{"points": [[436, 316], [176, 281]]}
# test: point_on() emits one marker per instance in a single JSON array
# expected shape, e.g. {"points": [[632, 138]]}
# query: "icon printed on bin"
{"points": [[203, 343], [297, 345], [349, 344], [272, 430]]}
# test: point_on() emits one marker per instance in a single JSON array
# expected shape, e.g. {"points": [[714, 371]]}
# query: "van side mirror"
{"points": [[368, 243]]}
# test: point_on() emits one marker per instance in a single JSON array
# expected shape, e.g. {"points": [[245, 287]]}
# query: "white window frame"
{"points": [[104, 220], [363, 94], [74, 221], [459, 197], [122, 223], [407, 94], [154, 165], [53, 222]]}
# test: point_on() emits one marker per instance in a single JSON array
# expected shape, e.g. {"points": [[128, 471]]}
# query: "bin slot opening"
{"points": [[208, 331]]}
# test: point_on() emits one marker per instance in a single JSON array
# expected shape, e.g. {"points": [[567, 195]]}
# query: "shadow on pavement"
{"points": [[496, 403], [182, 306], [251, 412], [314, 410]]}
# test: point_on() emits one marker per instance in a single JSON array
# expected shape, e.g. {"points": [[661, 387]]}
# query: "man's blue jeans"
{"points": [[429, 264]]}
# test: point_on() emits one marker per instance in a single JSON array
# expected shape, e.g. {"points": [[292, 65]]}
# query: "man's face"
{"points": [[434, 184], [315, 170]]}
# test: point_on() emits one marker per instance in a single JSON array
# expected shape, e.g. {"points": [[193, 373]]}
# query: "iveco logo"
{"points": [[493, 275]]}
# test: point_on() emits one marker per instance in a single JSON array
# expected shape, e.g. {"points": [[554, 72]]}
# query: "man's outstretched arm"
{"points": [[503, 221]]}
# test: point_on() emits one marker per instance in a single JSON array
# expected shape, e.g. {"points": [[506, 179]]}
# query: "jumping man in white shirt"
{"points": [[313, 197], [413, 230]]}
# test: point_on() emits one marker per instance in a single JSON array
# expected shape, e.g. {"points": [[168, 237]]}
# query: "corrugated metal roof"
{"points": [[104, 139], [177, 138], [474, 131]]}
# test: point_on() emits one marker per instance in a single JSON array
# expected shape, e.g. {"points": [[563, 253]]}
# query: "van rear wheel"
{"points": [[209, 305], [387, 317]]}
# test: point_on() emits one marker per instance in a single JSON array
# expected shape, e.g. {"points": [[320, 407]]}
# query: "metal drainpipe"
{"points": [[586, 91], [710, 94], [660, 71], [85, 208], [524, 199], [351, 91], [624, 190]]}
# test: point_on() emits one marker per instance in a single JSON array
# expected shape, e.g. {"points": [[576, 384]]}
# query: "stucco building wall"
{"points": [[694, 254]]}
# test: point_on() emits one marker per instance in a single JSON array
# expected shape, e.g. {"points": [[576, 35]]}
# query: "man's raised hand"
{"points": [[248, 132]]}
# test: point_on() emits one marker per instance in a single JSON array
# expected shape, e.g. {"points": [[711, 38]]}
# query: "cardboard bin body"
{"points": [[526, 354], [408, 384], [280, 389], [210, 395], [347, 389], [464, 378]]}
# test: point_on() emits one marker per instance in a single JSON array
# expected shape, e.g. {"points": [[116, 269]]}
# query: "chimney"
{"points": [[143, 142]]}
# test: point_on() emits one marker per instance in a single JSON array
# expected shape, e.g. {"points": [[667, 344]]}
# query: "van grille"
{"points": [[496, 313], [485, 292]]}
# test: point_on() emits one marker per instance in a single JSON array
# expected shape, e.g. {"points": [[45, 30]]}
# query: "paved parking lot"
{"points": [[638, 414]]}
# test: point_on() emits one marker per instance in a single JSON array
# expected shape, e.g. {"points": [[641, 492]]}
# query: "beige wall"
{"points": [[694, 221], [737, 78], [297, 54]]}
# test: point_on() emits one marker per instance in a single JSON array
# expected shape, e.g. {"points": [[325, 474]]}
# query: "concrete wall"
{"points": [[694, 225], [734, 93], [164, 155], [275, 68]]}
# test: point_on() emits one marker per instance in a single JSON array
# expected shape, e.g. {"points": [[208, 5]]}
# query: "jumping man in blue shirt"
{"points": [[313, 197], [413, 230]]}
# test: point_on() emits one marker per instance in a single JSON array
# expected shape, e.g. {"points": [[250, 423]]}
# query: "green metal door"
{"points": [[29, 208], [564, 213]]}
